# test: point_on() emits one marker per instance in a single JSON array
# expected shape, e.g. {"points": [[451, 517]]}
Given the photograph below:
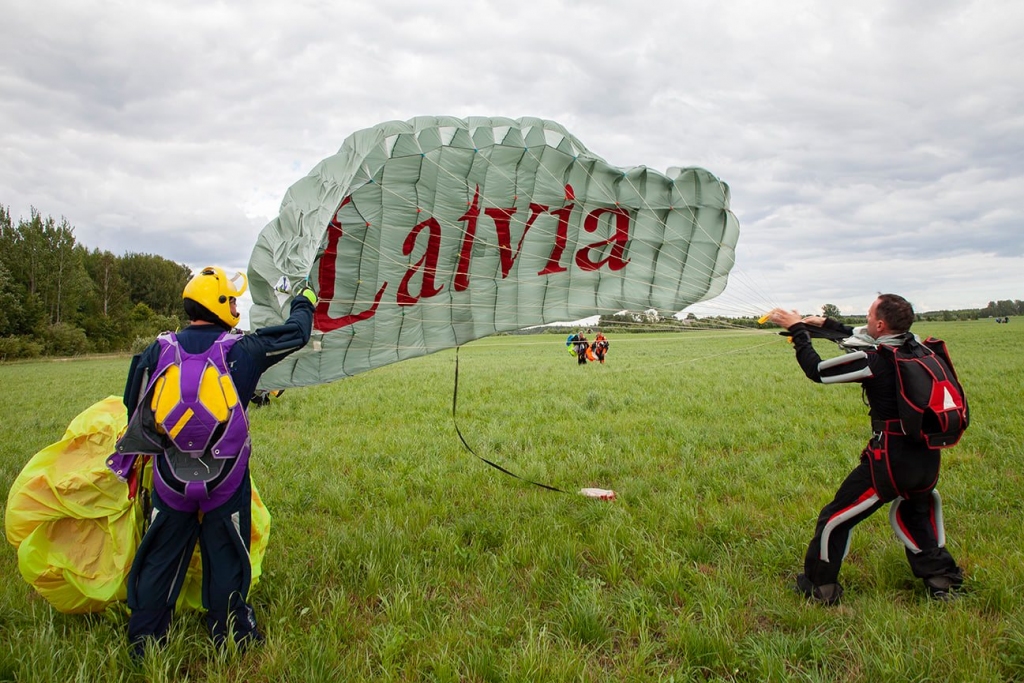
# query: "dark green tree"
{"points": [[105, 317], [10, 306], [831, 311], [44, 258], [110, 293], [26, 312], [154, 281]]}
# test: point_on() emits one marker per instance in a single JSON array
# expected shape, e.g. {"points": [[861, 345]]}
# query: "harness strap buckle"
{"points": [[887, 426]]}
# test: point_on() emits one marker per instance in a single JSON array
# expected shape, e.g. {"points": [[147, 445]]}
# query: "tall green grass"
{"points": [[395, 555]]}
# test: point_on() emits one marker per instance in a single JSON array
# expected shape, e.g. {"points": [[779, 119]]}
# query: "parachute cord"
{"points": [[455, 398]]}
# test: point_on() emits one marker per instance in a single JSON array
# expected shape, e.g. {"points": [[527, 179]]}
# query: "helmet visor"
{"points": [[237, 284]]}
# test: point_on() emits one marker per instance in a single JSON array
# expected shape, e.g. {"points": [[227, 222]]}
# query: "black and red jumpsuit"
{"points": [[893, 467]]}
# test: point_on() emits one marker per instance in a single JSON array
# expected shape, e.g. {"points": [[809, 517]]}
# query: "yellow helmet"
{"points": [[212, 289]]}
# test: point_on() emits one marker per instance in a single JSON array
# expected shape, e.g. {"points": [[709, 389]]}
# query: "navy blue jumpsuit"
{"points": [[158, 570]]}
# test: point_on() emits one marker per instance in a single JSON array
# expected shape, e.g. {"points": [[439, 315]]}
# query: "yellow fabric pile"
{"points": [[75, 529]]}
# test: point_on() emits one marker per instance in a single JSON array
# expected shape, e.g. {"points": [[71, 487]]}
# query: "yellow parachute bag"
{"points": [[75, 529]]}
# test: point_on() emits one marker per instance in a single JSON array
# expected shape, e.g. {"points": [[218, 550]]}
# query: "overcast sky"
{"points": [[870, 146]]}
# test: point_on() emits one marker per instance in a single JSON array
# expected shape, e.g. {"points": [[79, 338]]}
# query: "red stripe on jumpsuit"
{"points": [[869, 496]]}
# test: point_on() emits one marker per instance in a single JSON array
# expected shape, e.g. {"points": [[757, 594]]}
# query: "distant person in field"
{"points": [[893, 467], [569, 344], [581, 345], [187, 395], [600, 347]]}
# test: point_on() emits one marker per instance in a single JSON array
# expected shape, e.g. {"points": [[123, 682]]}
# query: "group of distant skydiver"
{"points": [[584, 350]]}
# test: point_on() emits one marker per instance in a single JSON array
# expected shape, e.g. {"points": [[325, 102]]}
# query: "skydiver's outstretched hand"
{"points": [[787, 319], [307, 291], [784, 318]]}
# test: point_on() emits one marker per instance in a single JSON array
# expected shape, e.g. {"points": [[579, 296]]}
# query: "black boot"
{"points": [[944, 588], [242, 626], [826, 594], [148, 628]]}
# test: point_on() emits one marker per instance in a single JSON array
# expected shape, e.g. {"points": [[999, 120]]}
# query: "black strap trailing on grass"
{"points": [[455, 399]]}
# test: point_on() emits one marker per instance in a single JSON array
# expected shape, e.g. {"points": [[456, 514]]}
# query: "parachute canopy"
{"points": [[426, 234]]}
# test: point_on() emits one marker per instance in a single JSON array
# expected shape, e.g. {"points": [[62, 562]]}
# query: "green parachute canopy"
{"points": [[426, 234]]}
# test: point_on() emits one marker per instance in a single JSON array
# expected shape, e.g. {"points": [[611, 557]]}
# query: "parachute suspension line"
{"points": [[455, 398], [708, 267], [398, 197], [701, 261], [704, 266], [735, 275]]}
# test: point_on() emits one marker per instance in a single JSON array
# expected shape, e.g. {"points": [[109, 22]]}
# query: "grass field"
{"points": [[395, 555]]}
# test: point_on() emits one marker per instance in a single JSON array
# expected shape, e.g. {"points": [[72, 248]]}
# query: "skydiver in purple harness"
{"points": [[187, 395], [892, 467]]}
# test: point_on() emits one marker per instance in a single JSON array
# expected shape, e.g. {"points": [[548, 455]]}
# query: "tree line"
{"points": [[1002, 309], [58, 298]]}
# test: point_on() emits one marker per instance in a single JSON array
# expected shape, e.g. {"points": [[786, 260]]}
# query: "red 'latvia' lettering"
{"points": [[428, 262], [502, 225], [470, 218], [587, 258], [326, 279], [561, 239], [616, 259]]}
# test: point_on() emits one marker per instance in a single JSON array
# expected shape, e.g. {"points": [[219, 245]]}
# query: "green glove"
{"points": [[307, 292]]}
